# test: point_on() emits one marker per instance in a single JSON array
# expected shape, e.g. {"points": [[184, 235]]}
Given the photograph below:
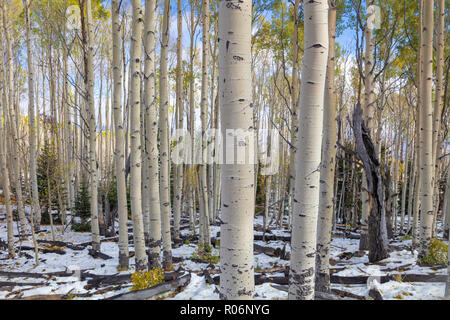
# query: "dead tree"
{"points": [[366, 152]]}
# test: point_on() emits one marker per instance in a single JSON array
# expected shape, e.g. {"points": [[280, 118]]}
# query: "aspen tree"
{"points": [[203, 192], [426, 132], [135, 135], [238, 196], [191, 125], [179, 123], [437, 111], [154, 241], [13, 124], [4, 174], [306, 201], [88, 42], [294, 106], [405, 182], [35, 208], [418, 146], [164, 140], [119, 157], [328, 162]]}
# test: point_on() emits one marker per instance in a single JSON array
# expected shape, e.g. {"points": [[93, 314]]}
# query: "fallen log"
{"points": [[271, 237], [334, 295], [272, 252], [145, 294], [83, 274], [430, 278], [20, 284], [43, 250], [98, 254], [260, 279], [63, 244]]}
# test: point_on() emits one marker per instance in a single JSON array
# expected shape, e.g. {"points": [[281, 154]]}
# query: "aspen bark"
{"points": [[426, 132], [89, 93], [4, 174], [437, 111], [203, 192], [418, 146], [327, 168], [294, 106], [154, 241], [164, 140], [135, 135], [179, 124], [306, 201], [404, 184], [13, 115], [119, 143], [238, 196]]}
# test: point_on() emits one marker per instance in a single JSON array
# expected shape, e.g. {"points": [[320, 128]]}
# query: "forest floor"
{"points": [[66, 269]]}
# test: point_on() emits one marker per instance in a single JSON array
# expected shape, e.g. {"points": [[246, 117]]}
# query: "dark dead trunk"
{"points": [[366, 152], [388, 194]]}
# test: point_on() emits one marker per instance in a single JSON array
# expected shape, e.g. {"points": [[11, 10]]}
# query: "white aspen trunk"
{"points": [[6, 193], [327, 169], [418, 146], [68, 137], [404, 184], [89, 90], [411, 187], [13, 115], [437, 111], [238, 196], [306, 201], [119, 143], [145, 199], [164, 141], [4, 172], [154, 241], [179, 124], [203, 192], [395, 161], [295, 109], [426, 132], [135, 136], [192, 167]]}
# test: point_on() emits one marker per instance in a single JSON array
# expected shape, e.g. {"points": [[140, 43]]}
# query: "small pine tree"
{"points": [[82, 208], [47, 175]]}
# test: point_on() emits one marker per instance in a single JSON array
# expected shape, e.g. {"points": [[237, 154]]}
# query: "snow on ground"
{"points": [[343, 262]]}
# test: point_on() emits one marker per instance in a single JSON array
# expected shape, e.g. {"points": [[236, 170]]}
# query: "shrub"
{"points": [[144, 280], [405, 237], [204, 253], [437, 254]]}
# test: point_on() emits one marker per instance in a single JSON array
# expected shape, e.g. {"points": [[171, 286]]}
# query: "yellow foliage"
{"points": [[204, 253], [437, 253], [144, 280]]}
